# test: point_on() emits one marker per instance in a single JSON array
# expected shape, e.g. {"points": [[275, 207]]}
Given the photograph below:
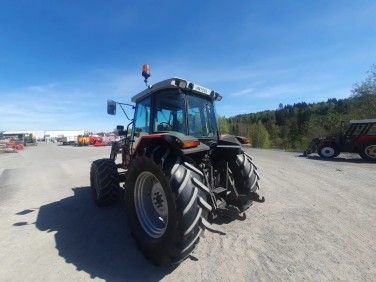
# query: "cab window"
{"points": [[201, 117], [142, 116], [169, 111], [372, 130]]}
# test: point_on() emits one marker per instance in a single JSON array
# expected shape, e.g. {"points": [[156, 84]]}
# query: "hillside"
{"points": [[293, 126]]}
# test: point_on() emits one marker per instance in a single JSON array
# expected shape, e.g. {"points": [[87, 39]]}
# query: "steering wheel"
{"points": [[166, 125]]}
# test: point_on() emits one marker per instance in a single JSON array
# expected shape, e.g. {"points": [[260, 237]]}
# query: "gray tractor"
{"points": [[175, 173]]}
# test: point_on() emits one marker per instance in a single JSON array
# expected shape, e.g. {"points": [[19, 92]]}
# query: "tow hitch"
{"points": [[255, 197], [232, 212]]}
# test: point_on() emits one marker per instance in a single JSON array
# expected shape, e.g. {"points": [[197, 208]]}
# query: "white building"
{"points": [[41, 134]]}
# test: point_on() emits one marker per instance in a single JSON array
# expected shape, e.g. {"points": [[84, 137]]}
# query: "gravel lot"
{"points": [[318, 223]]}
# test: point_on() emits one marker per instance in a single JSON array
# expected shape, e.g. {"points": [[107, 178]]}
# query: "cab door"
{"points": [[352, 135]]}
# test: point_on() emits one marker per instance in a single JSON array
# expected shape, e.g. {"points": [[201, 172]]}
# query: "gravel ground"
{"points": [[318, 223]]}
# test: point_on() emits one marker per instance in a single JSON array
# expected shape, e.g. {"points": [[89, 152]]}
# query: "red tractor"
{"points": [[359, 138], [175, 173]]}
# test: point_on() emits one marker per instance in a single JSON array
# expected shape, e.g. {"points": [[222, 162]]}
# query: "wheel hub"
{"points": [[151, 204], [371, 151], [158, 199], [327, 152]]}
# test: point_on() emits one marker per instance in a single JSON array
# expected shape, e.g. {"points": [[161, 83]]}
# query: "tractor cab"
{"points": [[174, 109], [176, 106], [357, 129]]}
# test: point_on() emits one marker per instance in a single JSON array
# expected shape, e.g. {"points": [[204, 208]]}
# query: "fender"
{"points": [[330, 141], [235, 139], [176, 141]]}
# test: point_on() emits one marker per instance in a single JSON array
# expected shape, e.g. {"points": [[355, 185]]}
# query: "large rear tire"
{"points": [[104, 181], [368, 151], [166, 206], [245, 178]]}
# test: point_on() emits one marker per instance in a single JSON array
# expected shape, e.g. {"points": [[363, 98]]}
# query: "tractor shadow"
{"points": [[96, 240]]}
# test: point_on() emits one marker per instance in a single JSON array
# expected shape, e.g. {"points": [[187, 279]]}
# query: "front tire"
{"points": [[368, 151], [166, 207], [328, 152], [104, 181]]}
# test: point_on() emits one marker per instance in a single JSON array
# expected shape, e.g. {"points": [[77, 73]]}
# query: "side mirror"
{"points": [[111, 107]]}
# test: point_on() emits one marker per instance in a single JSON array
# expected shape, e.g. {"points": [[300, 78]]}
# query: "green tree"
{"points": [[364, 95], [294, 135], [224, 126], [274, 133], [260, 136]]}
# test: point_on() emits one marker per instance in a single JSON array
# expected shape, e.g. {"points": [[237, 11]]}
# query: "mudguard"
{"points": [[235, 139], [176, 141]]}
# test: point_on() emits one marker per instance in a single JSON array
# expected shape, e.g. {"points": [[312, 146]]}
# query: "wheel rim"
{"points": [[151, 205], [371, 151], [327, 152]]}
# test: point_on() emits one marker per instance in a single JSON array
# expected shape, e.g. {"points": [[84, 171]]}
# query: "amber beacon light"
{"points": [[146, 72]]}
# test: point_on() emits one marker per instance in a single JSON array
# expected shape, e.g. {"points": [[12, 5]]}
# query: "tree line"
{"points": [[292, 127]]}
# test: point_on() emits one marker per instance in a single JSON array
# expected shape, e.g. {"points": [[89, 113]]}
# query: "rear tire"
{"points": [[166, 207], [328, 152], [245, 178], [104, 181], [368, 151]]}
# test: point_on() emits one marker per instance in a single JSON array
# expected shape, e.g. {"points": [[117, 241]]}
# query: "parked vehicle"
{"points": [[68, 140], [360, 137], [82, 140]]}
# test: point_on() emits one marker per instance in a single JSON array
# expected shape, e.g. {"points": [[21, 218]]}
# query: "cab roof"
{"points": [[363, 121], [175, 83]]}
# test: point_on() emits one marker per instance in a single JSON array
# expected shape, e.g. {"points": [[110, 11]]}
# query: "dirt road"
{"points": [[318, 224]]}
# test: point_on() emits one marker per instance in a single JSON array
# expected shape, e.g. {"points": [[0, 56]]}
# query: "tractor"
{"points": [[175, 173], [360, 137]]}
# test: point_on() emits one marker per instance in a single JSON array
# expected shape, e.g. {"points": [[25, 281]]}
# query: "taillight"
{"points": [[190, 144]]}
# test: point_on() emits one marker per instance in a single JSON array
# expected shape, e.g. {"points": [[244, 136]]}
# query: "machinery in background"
{"points": [[360, 137]]}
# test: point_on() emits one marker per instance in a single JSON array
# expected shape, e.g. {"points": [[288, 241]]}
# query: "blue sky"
{"points": [[61, 60]]}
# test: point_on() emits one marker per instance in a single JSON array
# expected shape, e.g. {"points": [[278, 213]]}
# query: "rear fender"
{"points": [[243, 140], [174, 141], [228, 147], [363, 140], [235, 139]]}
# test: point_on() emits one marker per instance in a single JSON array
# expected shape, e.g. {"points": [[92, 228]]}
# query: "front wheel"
{"points": [[328, 152], [166, 206], [104, 181], [368, 151]]}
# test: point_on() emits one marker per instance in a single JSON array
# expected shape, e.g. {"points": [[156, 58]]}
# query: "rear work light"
{"points": [[181, 83]]}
